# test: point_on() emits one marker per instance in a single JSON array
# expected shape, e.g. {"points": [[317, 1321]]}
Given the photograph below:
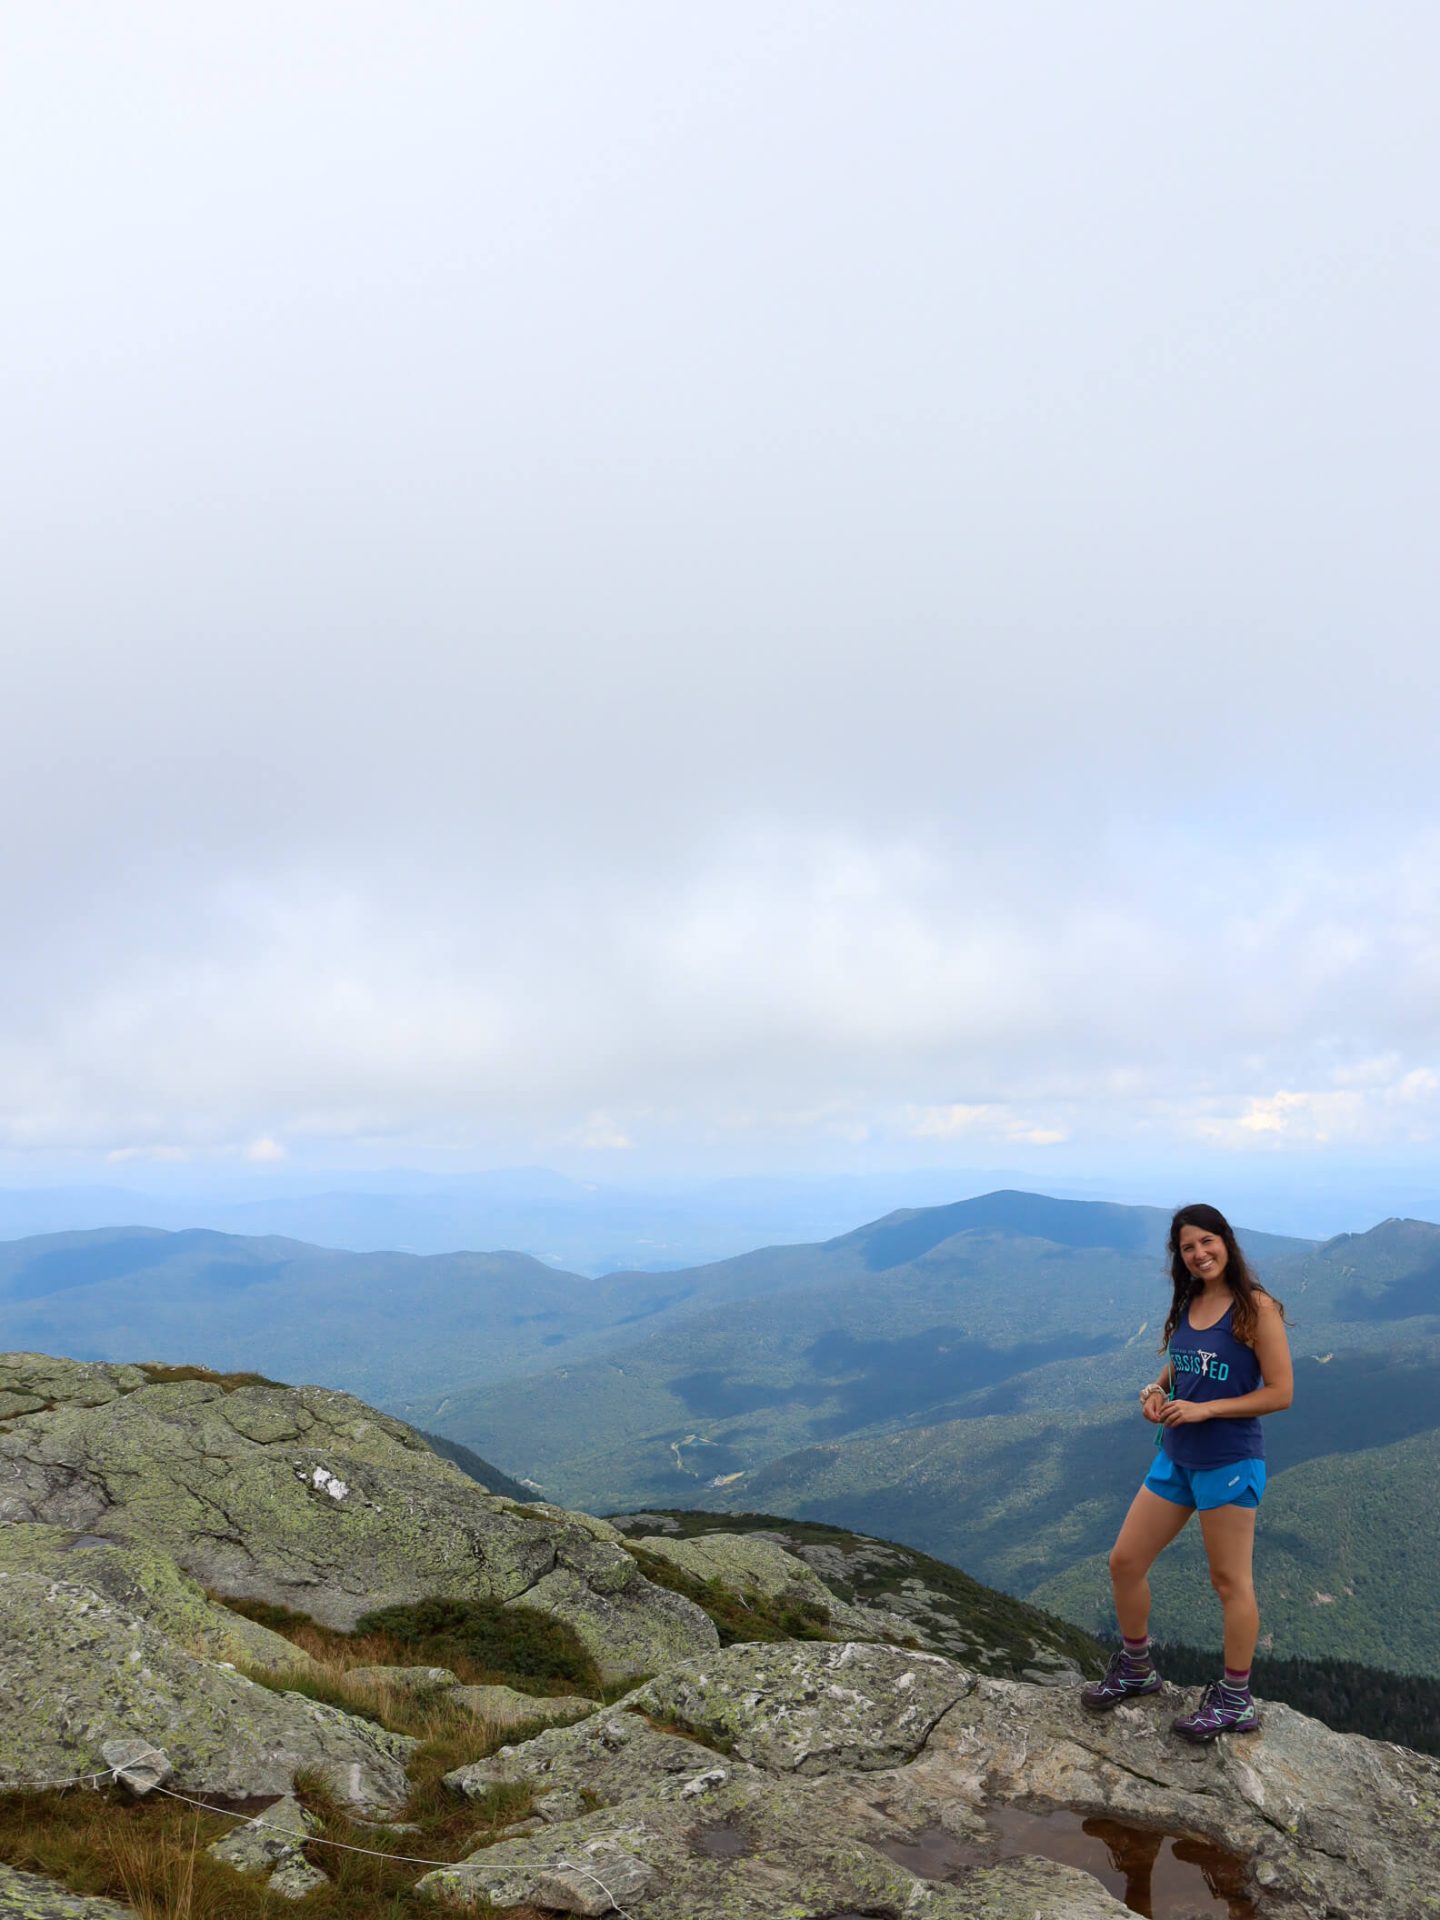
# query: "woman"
{"points": [[1227, 1363]]}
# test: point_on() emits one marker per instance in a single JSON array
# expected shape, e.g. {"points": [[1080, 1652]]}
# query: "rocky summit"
{"points": [[852, 1774], [312, 1501]]}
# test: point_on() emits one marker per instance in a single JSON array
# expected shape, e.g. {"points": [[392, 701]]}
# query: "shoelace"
{"points": [[1208, 1712], [1214, 1708], [1118, 1673]]}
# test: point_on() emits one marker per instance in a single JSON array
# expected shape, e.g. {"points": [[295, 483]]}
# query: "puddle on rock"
{"points": [[1162, 1875], [723, 1841]]}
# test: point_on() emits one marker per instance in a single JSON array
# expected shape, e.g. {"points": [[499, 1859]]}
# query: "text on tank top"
{"points": [[1213, 1365]]}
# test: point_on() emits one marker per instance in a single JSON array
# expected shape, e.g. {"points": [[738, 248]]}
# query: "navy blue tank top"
{"points": [[1213, 1365]]}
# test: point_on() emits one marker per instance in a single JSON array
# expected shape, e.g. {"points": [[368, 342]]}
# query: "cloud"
{"points": [[791, 987], [264, 1151], [600, 1134], [1402, 1111], [686, 591], [995, 1123]]}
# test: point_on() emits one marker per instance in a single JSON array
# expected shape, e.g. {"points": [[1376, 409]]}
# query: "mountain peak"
{"points": [[906, 1235]]}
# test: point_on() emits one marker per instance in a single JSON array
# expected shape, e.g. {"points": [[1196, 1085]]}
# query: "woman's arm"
{"points": [[1272, 1350]]}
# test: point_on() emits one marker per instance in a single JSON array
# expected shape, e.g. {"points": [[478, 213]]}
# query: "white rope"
{"points": [[305, 1839], [49, 1786], [289, 1833], [78, 1779], [297, 1839]]}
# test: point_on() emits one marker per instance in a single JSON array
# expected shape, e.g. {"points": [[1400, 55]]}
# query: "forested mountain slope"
{"points": [[942, 1312]]}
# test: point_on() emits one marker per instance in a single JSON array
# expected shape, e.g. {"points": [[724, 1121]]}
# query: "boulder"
{"points": [[404, 1679], [809, 1707], [146, 1581], [505, 1708], [1330, 1822], [311, 1500], [955, 1619], [139, 1765], [272, 1844], [756, 1563], [25, 1896], [879, 1590], [79, 1674], [611, 1757]]}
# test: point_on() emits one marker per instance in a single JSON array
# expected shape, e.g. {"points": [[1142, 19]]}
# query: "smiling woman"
{"points": [[1227, 1363]]}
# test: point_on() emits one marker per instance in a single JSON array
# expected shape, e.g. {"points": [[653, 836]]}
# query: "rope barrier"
{"points": [[305, 1839], [288, 1833], [78, 1779]]}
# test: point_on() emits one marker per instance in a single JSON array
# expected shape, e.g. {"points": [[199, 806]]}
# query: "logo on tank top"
{"points": [[1203, 1362]]}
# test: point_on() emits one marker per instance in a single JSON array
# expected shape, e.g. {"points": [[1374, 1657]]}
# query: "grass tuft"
{"points": [[159, 1375], [720, 1743], [152, 1853], [481, 1641]]}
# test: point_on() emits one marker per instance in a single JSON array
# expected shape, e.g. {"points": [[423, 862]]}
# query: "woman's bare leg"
{"points": [[1150, 1526], [1229, 1546]]}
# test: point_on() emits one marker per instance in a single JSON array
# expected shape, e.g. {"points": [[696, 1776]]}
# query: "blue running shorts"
{"points": [[1238, 1485]]}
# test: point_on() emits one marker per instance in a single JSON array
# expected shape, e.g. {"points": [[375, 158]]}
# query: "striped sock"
{"points": [[1237, 1680], [1137, 1653]]}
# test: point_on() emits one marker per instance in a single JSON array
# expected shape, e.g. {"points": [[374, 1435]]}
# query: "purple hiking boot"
{"points": [[1221, 1710], [1122, 1681]]}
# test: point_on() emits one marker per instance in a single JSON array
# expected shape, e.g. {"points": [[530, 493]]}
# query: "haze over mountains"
{"points": [[583, 1225], [959, 1377], [649, 1220]]}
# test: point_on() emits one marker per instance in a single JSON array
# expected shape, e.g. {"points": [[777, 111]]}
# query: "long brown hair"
{"points": [[1239, 1275]]}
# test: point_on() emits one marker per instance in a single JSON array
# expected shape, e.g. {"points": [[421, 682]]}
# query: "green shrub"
{"points": [[517, 1641]]}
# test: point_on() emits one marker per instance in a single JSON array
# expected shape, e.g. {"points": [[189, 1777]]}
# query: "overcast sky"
{"points": [[719, 586]]}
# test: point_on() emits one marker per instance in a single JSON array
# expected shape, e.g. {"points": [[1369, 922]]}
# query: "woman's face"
{"points": [[1203, 1253]]}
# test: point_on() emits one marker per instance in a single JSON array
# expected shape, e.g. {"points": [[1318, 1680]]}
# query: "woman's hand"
{"points": [[1151, 1401], [1183, 1413]]}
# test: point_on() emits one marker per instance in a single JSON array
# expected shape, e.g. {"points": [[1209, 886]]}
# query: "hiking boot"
{"points": [[1122, 1681], [1221, 1710]]}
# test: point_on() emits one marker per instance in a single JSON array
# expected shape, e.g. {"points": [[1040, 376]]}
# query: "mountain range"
{"points": [[958, 1377]]}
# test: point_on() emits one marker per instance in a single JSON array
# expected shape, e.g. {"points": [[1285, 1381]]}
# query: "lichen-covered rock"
{"points": [[504, 1707], [1332, 1823], [404, 1679], [271, 1843], [1329, 1824], [899, 1594], [730, 1843], [809, 1707], [146, 1581], [940, 1619], [610, 1757], [140, 1766], [25, 1896], [311, 1500], [794, 1781], [754, 1563], [294, 1877], [78, 1673]]}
